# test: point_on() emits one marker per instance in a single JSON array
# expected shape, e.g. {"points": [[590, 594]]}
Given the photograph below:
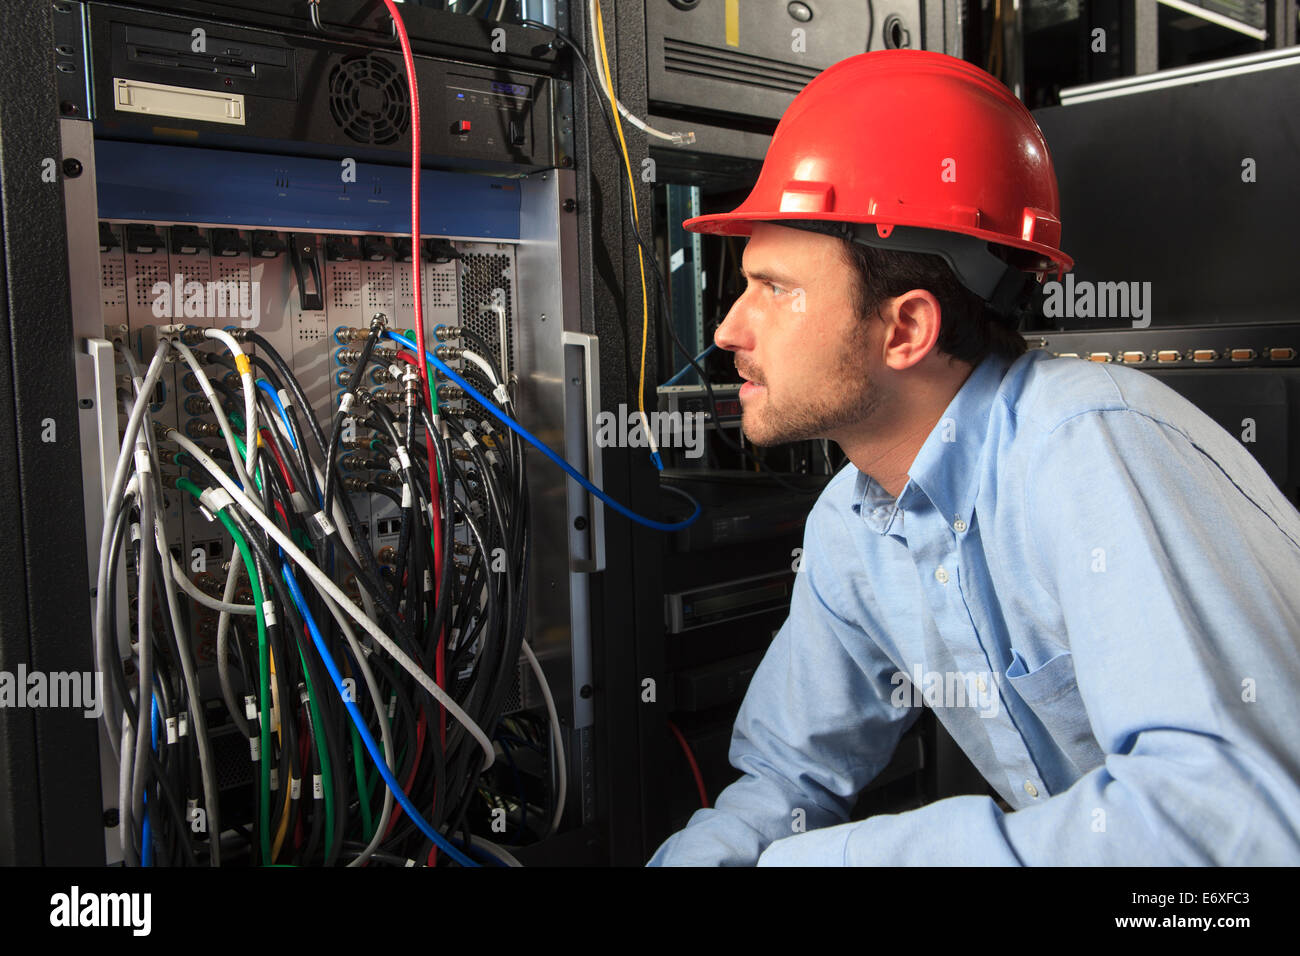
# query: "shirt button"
{"points": [[959, 526], [941, 575], [1031, 789]]}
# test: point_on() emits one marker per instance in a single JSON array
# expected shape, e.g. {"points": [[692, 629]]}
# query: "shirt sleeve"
{"points": [[1177, 572], [816, 725]]}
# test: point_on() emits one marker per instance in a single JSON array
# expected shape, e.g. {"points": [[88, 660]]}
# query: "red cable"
{"points": [[695, 768], [434, 507], [279, 461]]}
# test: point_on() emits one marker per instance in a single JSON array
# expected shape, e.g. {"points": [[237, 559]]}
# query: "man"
{"points": [[1095, 587]]}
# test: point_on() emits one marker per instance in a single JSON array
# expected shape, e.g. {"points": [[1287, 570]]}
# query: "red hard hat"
{"points": [[931, 153]]}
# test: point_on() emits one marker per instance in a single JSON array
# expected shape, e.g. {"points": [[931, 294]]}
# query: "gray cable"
{"points": [[144, 646], [113, 502], [223, 648], [194, 693], [202, 597], [125, 823]]}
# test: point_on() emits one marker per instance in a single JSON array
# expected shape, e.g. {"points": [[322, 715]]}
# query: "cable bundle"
{"points": [[369, 695]]}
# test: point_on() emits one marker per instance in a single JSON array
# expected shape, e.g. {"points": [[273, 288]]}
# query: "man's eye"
{"points": [[777, 290]]}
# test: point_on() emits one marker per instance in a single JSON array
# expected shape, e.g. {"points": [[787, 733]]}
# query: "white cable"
{"points": [[679, 138], [557, 740], [250, 394], [483, 364], [327, 586]]}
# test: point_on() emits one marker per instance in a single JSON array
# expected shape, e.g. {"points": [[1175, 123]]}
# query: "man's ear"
{"points": [[912, 323]]}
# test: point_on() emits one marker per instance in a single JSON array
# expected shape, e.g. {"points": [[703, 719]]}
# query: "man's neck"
{"points": [[885, 447]]}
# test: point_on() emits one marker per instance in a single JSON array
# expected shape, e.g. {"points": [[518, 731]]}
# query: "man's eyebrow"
{"points": [[768, 275]]}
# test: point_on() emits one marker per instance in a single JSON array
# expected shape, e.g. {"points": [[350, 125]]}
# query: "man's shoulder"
{"points": [[1045, 392]]}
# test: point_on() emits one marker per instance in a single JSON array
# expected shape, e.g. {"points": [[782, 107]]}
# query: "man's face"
{"points": [[798, 339]]}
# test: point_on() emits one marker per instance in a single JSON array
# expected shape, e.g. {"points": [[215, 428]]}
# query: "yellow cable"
{"points": [[636, 219]]}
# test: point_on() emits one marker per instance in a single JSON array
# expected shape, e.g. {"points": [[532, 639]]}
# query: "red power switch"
{"points": [[460, 127]]}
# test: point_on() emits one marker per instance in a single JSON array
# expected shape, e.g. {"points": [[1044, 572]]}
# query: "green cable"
{"points": [[358, 761], [263, 670], [327, 775]]}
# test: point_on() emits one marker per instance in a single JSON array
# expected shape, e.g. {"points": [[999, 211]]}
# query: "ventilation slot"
{"points": [[706, 62]]}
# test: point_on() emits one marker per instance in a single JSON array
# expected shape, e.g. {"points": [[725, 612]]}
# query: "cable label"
{"points": [[268, 613], [501, 395], [300, 503], [250, 707], [171, 730], [392, 706], [254, 748], [285, 400], [242, 363], [295, 788], [317, 787], [182, 724], [323, 523], [406, 496], [275, 778], [216, 499]]}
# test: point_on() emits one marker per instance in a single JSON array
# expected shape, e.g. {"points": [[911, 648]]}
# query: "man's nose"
{"points": [[731, 334]]}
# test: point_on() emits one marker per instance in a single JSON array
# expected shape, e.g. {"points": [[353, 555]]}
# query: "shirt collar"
{"points": [[945, 469]]}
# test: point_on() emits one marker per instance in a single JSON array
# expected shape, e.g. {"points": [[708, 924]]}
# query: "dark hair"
{"points": [[969, 331]]}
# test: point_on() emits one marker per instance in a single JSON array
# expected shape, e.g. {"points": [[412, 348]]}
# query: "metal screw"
{"points": [[111, 817], [580, 523], [68, 108], [72, 168], [586, 692], [569, 205]]}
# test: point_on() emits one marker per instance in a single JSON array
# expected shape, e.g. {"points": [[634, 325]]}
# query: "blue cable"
{"points": [[528, 436], [484, 851], [689, 368], [265, 386], [146, 831], [354, 712]]}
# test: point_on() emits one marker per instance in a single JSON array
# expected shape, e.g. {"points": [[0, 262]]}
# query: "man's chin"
{"points": [[766, 437]]}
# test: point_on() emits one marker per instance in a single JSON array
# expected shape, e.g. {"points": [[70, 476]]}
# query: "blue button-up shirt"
{"points": [[1095, 587]]}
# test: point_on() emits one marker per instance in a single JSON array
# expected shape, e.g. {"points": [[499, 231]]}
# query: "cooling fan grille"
{"points": [[369, 100]]}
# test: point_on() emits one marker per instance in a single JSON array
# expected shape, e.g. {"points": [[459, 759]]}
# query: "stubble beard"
{"points": [[852, 398]]}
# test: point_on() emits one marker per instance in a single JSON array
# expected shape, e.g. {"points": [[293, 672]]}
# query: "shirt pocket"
{"points": [[1052, 693]]}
